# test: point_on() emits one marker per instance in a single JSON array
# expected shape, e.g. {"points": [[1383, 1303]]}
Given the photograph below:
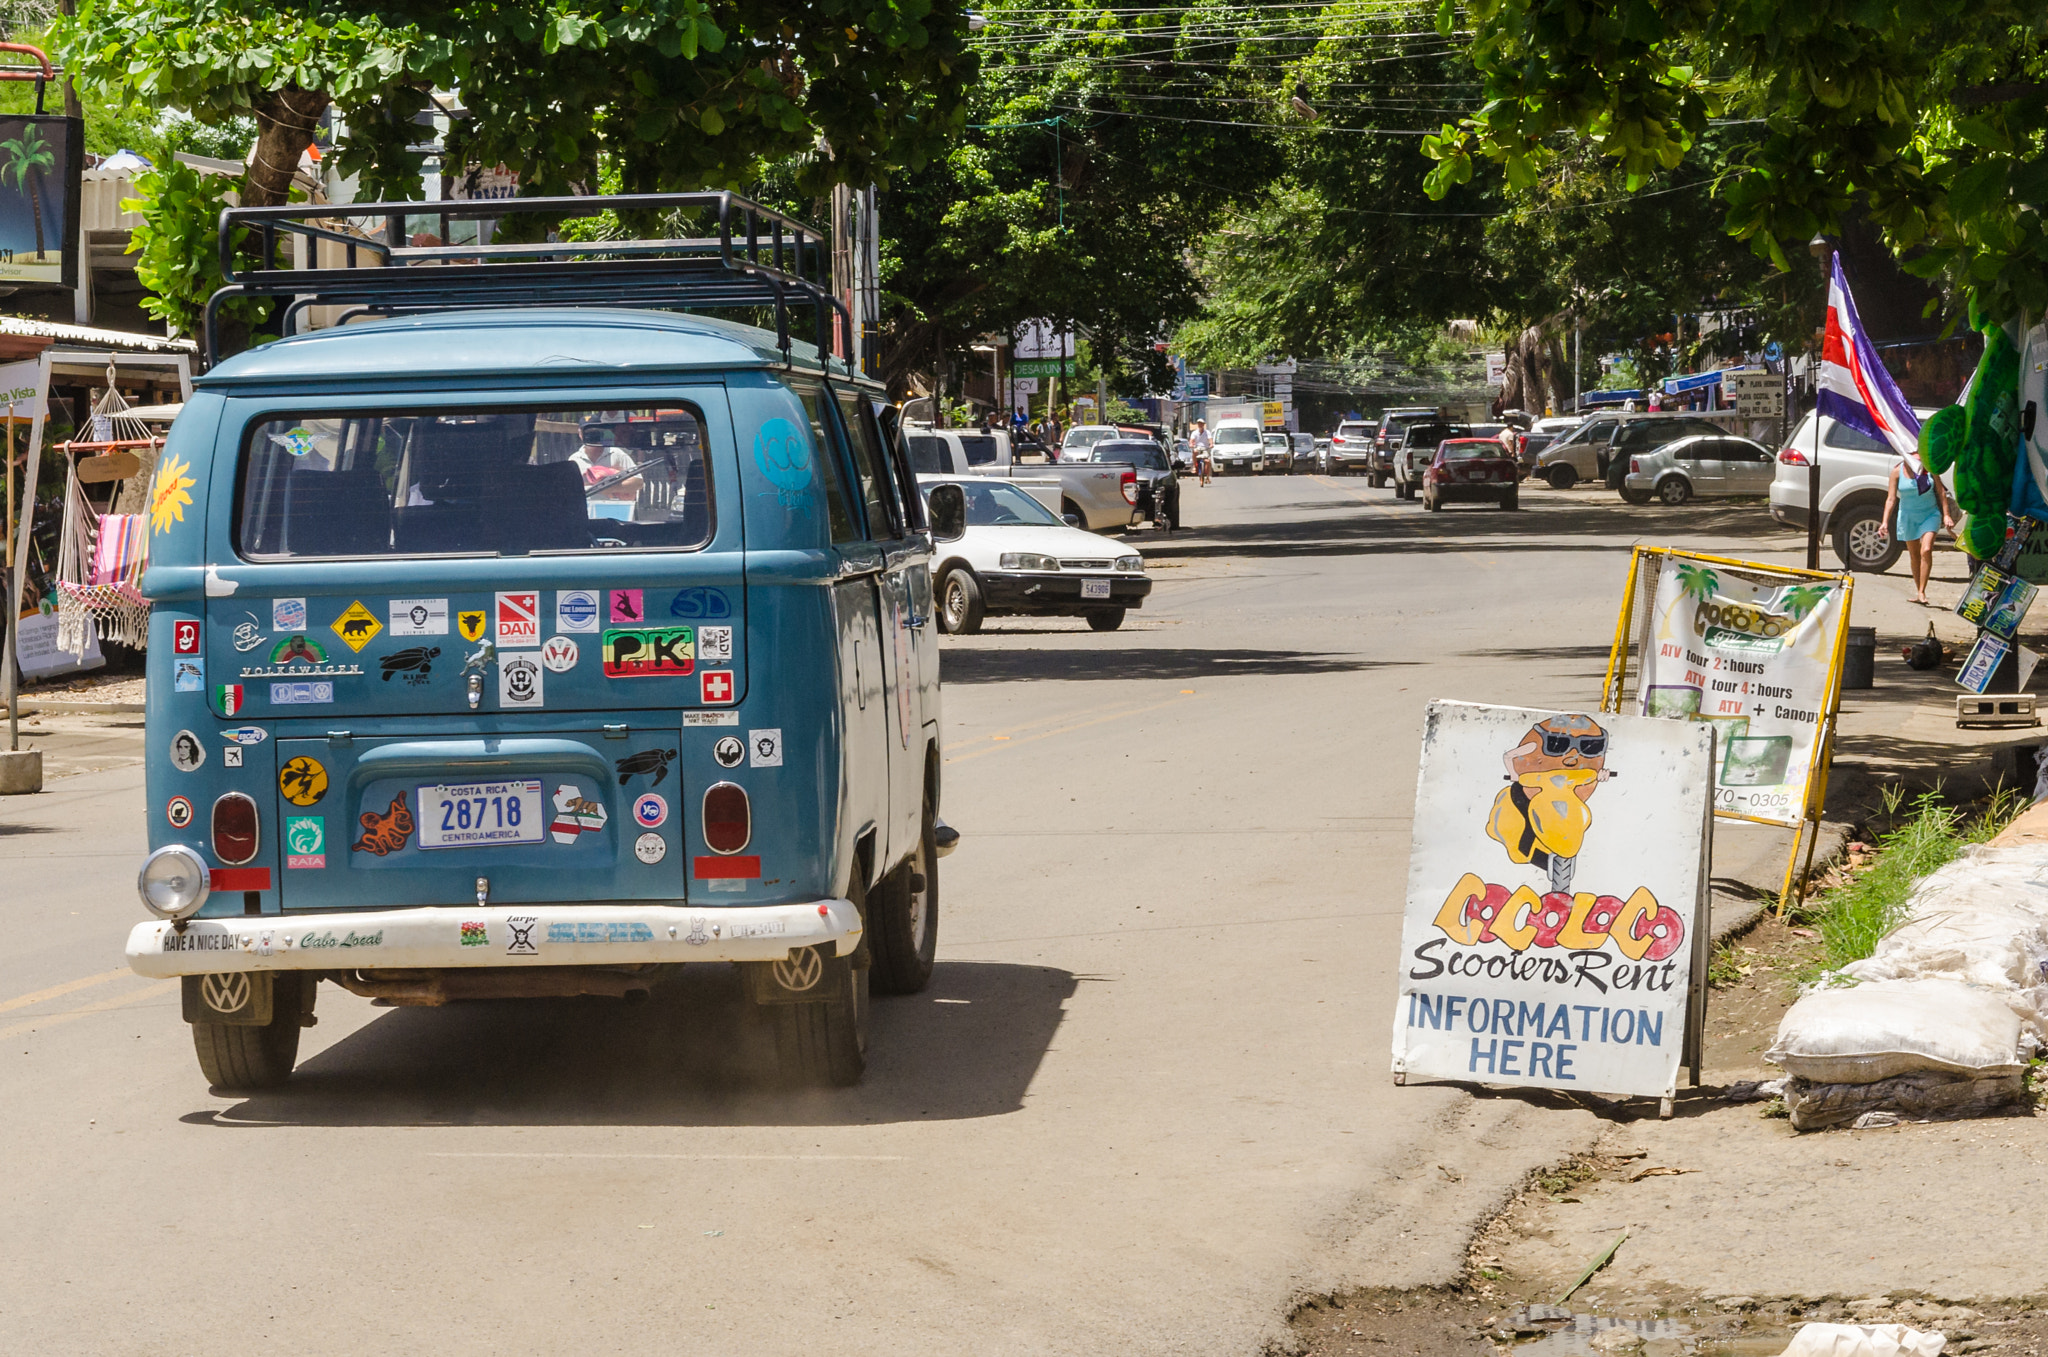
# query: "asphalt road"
{"points": [[1145, 1102]]}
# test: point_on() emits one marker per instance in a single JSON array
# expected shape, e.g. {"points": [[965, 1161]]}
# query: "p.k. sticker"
{"points": [[650, 652]]}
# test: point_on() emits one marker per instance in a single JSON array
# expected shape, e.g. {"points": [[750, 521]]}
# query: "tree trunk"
{"points": [[285, 122], [35, 198]]}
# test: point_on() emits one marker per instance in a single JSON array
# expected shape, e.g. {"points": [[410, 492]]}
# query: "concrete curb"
{"points": [[57, 705], [1834, 837]]}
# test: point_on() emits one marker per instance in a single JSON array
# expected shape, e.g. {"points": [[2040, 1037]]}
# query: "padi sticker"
{"points": [[650, 652], [519, 619], [185, 636], [178, 812], [246, 735], [419, 617], [302, 781], [650, 809], [305, 841], [783, 452], [764, 748], [628, 606], [653, 761], [228, 698], [476, 933], [415, 663], [519, 679], [471, 625], [716, 689], [300, 694], [576, 610], [186, 752], [231, 757], [357, 626], [575, 815], [714, 645], [650, 848], [559, 655], [189, 676], [385, 834], [287, 614], [699, 603], [520, 943], [728, 751]]}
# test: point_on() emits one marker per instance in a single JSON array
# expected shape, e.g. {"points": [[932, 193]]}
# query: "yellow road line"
{"points": [[57, 991], [156, 991], [1064, 730]]}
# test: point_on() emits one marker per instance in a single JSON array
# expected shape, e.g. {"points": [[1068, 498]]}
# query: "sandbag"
{"points": [[1887, 1028], [1863, 1340], [1922, 1094]]}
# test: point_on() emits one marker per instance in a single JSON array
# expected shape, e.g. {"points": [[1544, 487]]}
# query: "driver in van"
{"points": [[603, 462]]}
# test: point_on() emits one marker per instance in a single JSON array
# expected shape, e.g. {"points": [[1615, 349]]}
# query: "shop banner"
{"points": [[1756, 653], [1552, 931], [41, 160]]}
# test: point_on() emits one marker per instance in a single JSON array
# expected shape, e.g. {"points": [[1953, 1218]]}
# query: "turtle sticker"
{"points": [[357, 626], [653, 761], [415, 663]]}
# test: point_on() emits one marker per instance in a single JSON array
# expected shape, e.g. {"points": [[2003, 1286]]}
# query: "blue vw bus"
{"points": [[529, 632]]}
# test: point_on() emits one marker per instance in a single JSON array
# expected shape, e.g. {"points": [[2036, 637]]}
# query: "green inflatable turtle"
{"points": [[1981, 439]]}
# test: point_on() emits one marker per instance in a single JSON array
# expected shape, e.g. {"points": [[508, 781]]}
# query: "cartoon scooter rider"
{"points": [[1541, 816]]}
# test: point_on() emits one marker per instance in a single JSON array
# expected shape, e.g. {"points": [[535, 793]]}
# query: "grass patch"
{"points": [[1852, 917]]}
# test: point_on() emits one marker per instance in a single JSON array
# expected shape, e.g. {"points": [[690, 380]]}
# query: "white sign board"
{"points": [[1550, 934], [39, 657], [1039, 339], [1496, 369], [1025, 386], [22, 384], [1755, 393], [1754, 655]]}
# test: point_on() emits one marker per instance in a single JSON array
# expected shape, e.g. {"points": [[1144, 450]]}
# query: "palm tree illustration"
{"points": [[1698, 581], [22, 162], [1802, 599]]}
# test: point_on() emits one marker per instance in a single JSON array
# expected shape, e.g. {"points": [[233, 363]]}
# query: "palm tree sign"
{"points": [[22, 162]]}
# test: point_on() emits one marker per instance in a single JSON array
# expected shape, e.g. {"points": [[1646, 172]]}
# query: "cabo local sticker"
{"points": [[650, 809], [576, 610], [519, 619], [1552, 928], [419, 617], [519, 679]]}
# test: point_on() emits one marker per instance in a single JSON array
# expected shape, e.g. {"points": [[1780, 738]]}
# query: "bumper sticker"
{"points": [[650, 652], [575, 815], [653, 761]]}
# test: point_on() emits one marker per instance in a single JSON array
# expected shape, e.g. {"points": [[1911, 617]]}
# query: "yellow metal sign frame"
{"points": [[1807, 827]]}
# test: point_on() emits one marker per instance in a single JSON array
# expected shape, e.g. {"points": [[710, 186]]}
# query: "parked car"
{"points": [[1278, 452], [1707, 466], [1637, 437], [1158, 485], [1471, 469], [1240, 446], [1417, 447], [1387, 435], [1183, 455], [1541, 435], [1587, 452], [1351, 449], [1009, 556], [570, 778], [1855, 469], [1101, 497], [1306, 446]]}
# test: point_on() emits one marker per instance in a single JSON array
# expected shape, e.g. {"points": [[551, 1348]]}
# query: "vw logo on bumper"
{"points": [[801, 971], [226, 992]]}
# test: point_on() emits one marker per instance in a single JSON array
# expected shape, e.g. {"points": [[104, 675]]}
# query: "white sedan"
{"points": [[1016, 557]]}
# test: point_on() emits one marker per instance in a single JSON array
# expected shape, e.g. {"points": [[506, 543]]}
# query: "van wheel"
{"points": [[903, 930], [1862, 539], [1106, 619], [826, 1043], [960, 605], [1563, 477], [237, 1058]]}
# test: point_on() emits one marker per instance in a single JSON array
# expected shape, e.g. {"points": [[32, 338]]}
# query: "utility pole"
{"points": [[1818, 247]]}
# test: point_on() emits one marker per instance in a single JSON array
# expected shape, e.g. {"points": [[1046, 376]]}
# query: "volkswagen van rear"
{"points": [[531, 653]]}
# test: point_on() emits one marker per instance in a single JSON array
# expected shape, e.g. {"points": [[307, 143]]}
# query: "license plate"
{"points": [[480, 814], [1094, 588]]}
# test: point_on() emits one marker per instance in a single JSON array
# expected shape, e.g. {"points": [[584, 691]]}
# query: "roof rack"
{"points": [[754, 257]]}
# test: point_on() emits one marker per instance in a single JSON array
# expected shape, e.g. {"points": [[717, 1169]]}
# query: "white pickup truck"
{"points": [[1095, 496]]}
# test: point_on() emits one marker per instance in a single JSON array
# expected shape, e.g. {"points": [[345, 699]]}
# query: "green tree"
{"points": [[22, 162]]}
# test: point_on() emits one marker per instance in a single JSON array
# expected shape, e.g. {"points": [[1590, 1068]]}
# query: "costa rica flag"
{"points": [[1855, 388]]}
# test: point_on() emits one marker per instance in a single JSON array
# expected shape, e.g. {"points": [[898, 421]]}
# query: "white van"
{"points": [[1240, 445]]}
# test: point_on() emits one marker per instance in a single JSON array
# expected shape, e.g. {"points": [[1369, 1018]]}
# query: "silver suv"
{"points": [[1855, 470]]}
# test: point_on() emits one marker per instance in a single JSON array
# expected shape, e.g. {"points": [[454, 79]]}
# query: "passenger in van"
{"points": [[603, 462]]}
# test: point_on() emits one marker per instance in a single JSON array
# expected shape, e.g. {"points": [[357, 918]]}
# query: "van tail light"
{"points": [[1130, 487], [1792, 457], [235, 835], [728, 818]]}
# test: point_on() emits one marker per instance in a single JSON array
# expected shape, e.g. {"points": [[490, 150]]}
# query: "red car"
{"points": [[1471, 468]]}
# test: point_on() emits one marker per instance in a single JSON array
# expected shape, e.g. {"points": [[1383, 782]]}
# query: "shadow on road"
{"points": [[695, 1054], [1004, 666]]}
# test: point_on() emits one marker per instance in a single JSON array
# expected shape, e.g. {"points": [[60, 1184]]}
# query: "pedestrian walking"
{"points": [[1920, 502], [1199, 444]]}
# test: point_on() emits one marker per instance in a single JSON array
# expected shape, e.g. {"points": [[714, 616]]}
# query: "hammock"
{"points": [[102, 557]]}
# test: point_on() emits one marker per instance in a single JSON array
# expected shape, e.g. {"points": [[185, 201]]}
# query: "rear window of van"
{"points": [[473, 483]]}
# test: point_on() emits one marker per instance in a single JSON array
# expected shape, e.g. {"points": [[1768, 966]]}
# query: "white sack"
{"points": [[1893, 1027], [1863, 1340]]}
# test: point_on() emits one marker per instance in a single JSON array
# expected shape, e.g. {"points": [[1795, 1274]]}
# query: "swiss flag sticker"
{"points": [[185, 636], [717, 687]]}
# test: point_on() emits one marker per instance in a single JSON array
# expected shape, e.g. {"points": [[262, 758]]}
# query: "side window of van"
{"points": [[829, 464], [877, 486], [928, 453]]}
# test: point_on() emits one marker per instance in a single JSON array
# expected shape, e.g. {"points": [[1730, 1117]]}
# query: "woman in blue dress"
{"points": [[1916, 504]]}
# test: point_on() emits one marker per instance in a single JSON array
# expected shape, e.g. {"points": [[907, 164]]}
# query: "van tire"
{"points": [[826, 1043], [1857, 528], [237, 1058], [1105, 619], [903, 927], [1562, 477], [960, 605]]}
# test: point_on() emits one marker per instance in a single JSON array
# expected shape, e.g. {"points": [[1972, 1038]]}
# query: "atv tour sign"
{"points": [[1555, 937]]}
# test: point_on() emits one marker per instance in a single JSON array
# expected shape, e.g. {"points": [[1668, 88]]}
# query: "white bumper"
{"points": [[439, 936]]}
